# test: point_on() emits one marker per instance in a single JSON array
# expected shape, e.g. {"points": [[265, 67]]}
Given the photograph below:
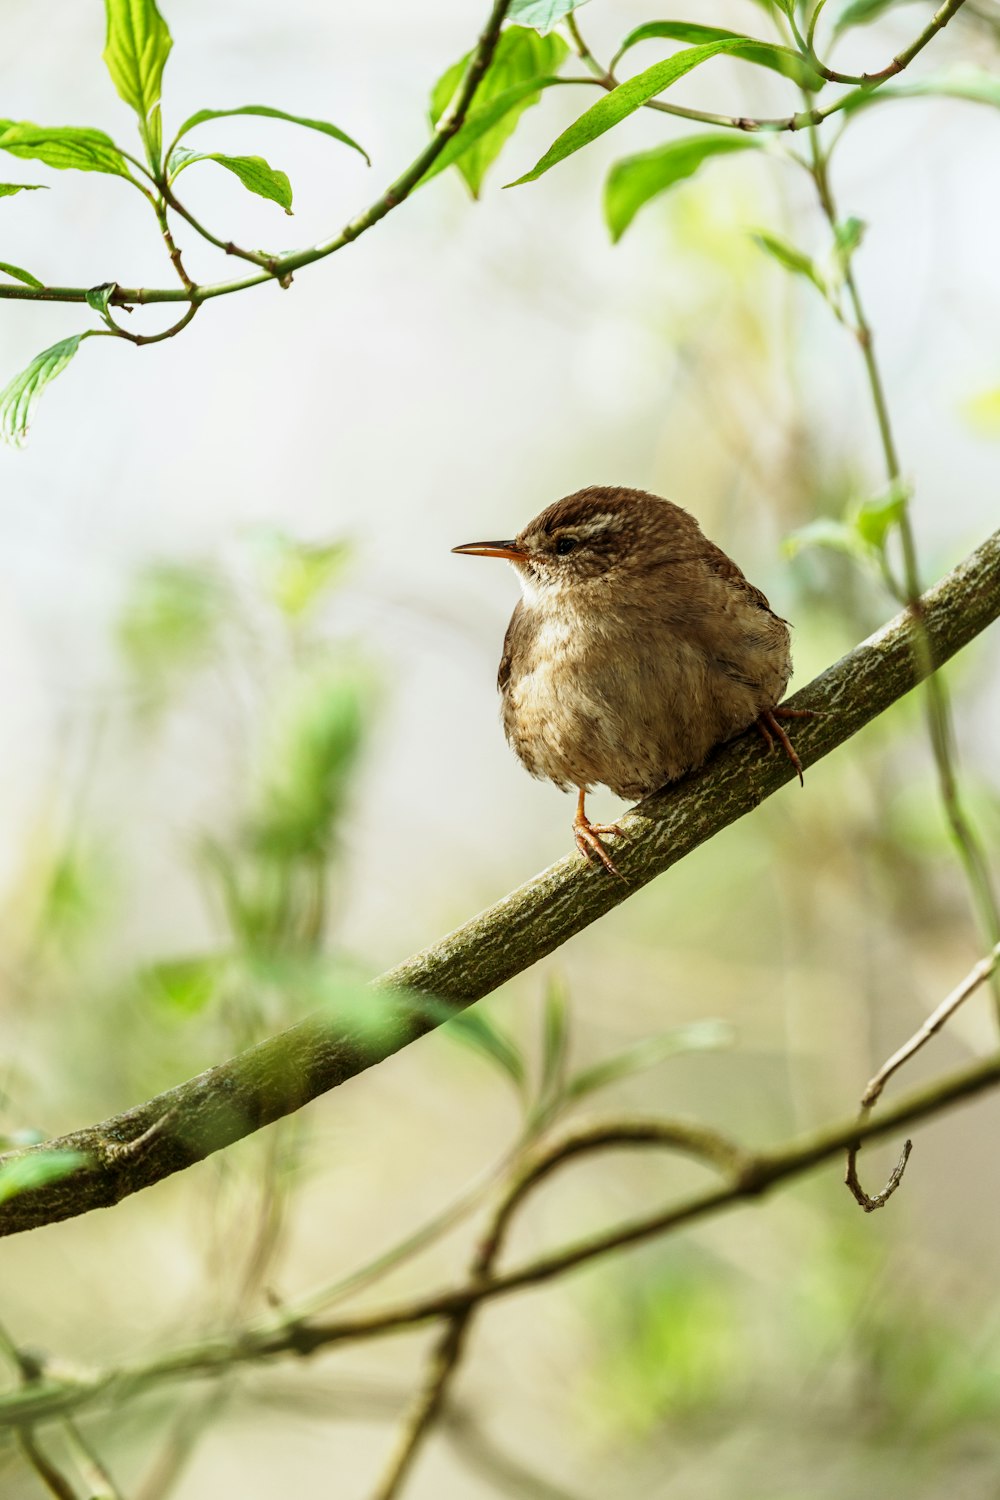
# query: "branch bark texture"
{"points": [[133, 1150]]}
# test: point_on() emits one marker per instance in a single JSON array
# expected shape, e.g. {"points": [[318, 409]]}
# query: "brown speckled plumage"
{"points": [[631, 657], [637, 646]]}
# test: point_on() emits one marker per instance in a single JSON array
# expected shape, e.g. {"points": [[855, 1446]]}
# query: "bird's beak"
{"points": [[510, 550]]}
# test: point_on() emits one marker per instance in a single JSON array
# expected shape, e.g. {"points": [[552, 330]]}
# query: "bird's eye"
{"points": [[565, 544]]}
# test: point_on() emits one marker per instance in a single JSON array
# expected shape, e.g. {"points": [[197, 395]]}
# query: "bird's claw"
{"points": [[770, 729], [588, 841]]}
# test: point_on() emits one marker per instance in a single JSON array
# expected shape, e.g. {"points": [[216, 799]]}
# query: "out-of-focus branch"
{"points": [[977, 976], [748, 1175], [705, 1145], [284, 1072]]}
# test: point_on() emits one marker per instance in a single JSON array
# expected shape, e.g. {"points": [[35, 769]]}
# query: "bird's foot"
{"points": [[589, 842], [769, 729]]}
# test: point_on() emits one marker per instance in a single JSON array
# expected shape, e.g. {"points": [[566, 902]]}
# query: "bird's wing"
{"points": [[723, 566], [507, 659]]}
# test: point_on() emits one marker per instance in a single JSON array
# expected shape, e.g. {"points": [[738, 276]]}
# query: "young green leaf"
{"points": [[98, 297], [296, 575], [473, 1030], [479, 122], [257, 175], [7, 189], [27, 1172], [825, 531], [699, 1036], [786, 255], [541, 14], [184, 985], [63, 146], [137, 47], [622, 102], [635, 180], [323, 126], [20, 397], [521, 57], [20, 275], [766, 54], [874, 519]]}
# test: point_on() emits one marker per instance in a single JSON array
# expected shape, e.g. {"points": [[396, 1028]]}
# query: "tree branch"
{"points": [[748, 1175], [284, 1072]]}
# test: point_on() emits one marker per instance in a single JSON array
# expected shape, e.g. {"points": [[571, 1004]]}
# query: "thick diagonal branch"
{"points": [[281, 1074]]}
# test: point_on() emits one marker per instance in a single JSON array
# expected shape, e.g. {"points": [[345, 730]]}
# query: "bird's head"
{"points": [[601, 533]]}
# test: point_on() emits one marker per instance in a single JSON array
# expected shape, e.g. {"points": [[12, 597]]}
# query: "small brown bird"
{"points": [[637, 647]]}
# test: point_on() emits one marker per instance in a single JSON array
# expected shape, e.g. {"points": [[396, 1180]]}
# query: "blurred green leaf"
{"points": [[874, 519], [185, 985], [20, 275], [964, 81], [541, 14], [312, 745], [35, 1171], [765, 54], [135, 52], [74, 894], [295, 575], [7, 189], [622, 102], [836, 536], [699, 1036], [521, 57], [555, 1044], [983, 412], [847, 238], [472, 1029], [65, 147], [633, 181], [323, 126], [861, 12], [20, 396], [256, 175], [169, 620], [788, 256]]}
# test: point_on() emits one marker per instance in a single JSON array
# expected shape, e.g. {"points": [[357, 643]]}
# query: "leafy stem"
{"points": [[936, 704]]}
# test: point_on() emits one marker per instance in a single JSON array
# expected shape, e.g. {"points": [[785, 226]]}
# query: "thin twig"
{"points": [[933, 1024]]}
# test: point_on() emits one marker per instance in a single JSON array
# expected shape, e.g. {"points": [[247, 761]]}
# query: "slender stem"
{"points": [[902, 59], [968, 845]]}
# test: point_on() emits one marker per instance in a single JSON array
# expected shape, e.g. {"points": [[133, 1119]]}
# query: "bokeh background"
{"points": [[221, 552]]}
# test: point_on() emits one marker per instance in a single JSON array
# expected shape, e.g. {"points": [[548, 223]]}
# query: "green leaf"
{"points": [[137, 47], [765, 54], [874, 519], [184, 985], [169, 623], [835, 536], [473, 1030], [296, 575], [98, 298], [622, 102], [8, 189], [861, 12], [521, 57], [699, 1036], [478, 122], [63, 147], [272, 114], [20, 275], [34, 1171], [786, 255], [635, 180], [20, 397], [253, 171], [541, 14]]}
